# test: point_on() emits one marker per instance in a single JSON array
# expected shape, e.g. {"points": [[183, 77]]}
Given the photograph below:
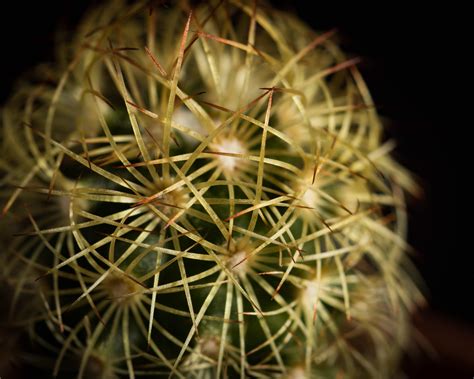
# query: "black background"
{"points": [[403, 49]]}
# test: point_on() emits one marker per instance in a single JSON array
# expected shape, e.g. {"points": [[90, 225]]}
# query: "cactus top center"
{"points": [[121, 289], [210, 347], [297, 373], [227, 147], [310, 293], [171, 202], [237, 262]]}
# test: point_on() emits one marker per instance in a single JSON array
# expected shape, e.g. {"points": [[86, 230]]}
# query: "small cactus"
{"points": [[203, 193]]}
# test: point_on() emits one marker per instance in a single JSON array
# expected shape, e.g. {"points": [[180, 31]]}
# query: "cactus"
{"points": [[203, 192]]}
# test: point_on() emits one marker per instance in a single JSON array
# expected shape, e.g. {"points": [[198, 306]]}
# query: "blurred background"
{"points": [[404, 50]]}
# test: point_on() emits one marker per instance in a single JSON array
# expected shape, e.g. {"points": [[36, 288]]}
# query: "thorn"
{"points": [[193, 96], [341, 66], [156, 63], [326, 224], [271, 273], [143, 110], [315, 308]]}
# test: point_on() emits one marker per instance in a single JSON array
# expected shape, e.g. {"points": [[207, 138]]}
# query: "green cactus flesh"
{"points": [[202, 193]]}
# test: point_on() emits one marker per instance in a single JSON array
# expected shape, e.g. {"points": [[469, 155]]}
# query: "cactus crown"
{"points": [[204, 193]]}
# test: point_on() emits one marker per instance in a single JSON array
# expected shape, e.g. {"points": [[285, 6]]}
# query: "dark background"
{"points": [[402, 47]]}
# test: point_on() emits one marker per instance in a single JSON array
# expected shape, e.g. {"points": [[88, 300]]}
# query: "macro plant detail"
{"points": [[203, 192]]}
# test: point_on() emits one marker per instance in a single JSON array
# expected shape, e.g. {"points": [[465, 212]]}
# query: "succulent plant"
{"points": [[203, 192]]}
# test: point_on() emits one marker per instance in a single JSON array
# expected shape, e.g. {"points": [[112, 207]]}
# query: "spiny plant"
{"points": [[203, 192]]}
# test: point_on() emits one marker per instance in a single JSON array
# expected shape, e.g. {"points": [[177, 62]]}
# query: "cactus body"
{"points": [[204, 193]]}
